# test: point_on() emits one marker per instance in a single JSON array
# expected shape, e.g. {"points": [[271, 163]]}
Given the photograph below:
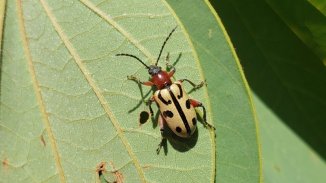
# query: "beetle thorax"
{"points": [[161, 79]]}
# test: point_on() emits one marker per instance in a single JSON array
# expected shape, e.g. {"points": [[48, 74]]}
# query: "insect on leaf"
{"points": [[67, 105]]}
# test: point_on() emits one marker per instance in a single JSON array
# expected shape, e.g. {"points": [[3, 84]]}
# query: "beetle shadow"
{"points": [[182, 144], [178, 143], [174, 63], [144, 115], [142, 101]]}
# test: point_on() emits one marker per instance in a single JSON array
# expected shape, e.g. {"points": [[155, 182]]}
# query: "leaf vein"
{"points": [[120, 29], [36, 87], [93, 85]]}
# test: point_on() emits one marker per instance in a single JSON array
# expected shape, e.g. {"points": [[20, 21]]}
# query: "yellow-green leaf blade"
{"points": [[238, 158], [22, 128], [80, 93]]}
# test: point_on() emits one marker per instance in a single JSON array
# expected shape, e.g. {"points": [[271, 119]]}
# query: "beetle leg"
{"points": [[201, 84], [195, 104], [147, 83], [172, 71], [167, 60], [161, 123], [149, 103]]}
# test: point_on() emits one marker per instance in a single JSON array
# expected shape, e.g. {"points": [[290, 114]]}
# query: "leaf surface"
{"points": [[286, 157], [67, 106], [238, 158]]}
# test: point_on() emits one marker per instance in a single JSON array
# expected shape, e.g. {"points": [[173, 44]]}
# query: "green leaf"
{"points": [[286, 157], [307, 20], [232, 112], [287, 75], [2, 15], [69, 114]]}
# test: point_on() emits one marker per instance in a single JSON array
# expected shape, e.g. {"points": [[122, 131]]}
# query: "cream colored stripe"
{"points": [[37, 90], [95, 88]]}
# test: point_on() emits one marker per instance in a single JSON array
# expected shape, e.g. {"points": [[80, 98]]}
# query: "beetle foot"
{"points": [[201, 84], [131, 77], [160, 145], [149, 104], [208, 125], [159, 148]]}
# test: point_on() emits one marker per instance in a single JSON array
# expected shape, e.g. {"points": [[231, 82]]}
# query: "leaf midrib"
{"points": [[37, 90], [94, 87]]}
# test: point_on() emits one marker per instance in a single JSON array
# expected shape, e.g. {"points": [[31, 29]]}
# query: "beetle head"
{"points": [[153, 70]]}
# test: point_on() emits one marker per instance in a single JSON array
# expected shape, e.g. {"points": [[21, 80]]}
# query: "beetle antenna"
{"points": [[133, 56], [158, 58]]}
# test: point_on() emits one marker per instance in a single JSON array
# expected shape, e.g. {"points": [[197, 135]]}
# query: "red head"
{"points": [[160, 78]]}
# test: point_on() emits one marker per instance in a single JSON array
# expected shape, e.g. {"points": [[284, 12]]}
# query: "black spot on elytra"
{"points": [[188, 104], [162, 99], [178, 129], [168, 114], [194, 121]]}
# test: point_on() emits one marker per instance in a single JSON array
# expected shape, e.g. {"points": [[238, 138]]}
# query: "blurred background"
{"points": [[281, 45]]}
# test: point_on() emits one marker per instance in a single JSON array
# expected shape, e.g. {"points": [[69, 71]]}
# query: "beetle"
{"points": [[176, 108]]}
